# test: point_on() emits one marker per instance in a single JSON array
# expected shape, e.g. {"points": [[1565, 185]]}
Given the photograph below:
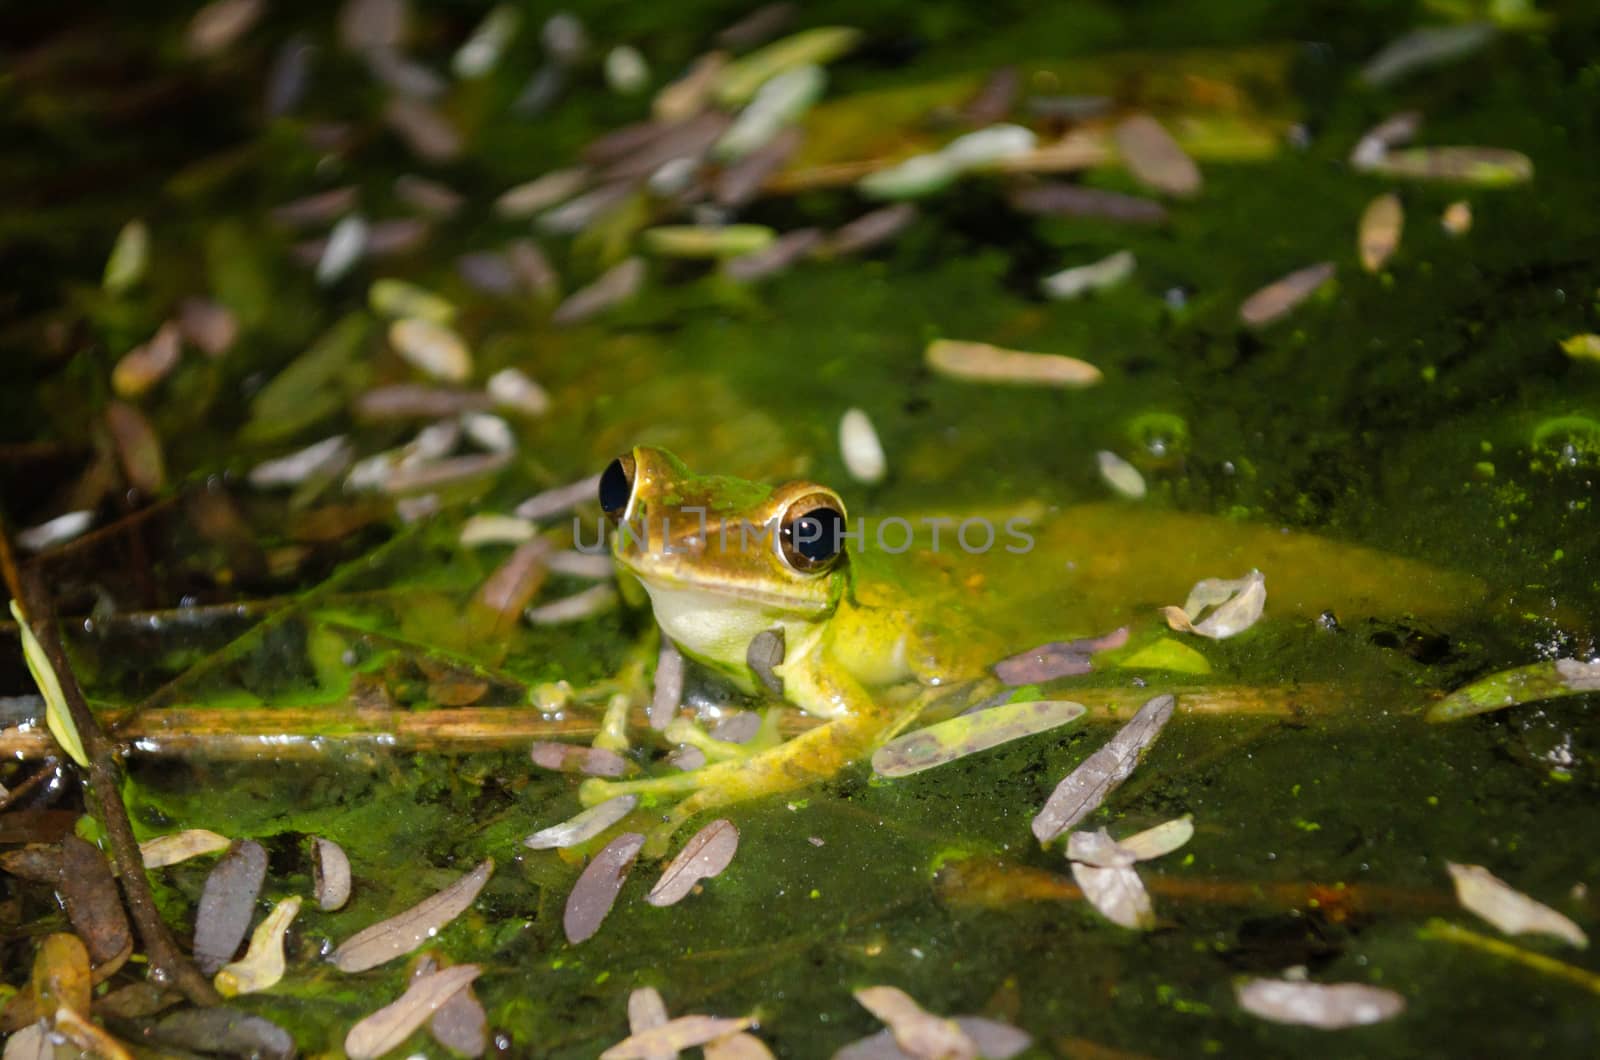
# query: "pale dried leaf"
{"points": [[226, 904], [980, 362], [1484, 893], [1276, 299], [916, 1030], [1161, 840], [1238, 604], [1379, 234], [401, 934], [330, 874], [584, 826], [432, 347], [1154, 157], [1324, 1006], [263, 964], [597, 888], [968, 734], [181, 846], [685, 1032], [1086, 787], [389, 1026], [1117, 893], [1120, 475], [1097, 848], [740, 1046], [862, 451], [703, 857]]}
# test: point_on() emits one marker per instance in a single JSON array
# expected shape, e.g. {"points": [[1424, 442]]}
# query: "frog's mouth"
{"points": [[811, 600]]}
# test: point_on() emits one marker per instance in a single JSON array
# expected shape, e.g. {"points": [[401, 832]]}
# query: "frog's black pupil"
{"points": [[614, 489], [818, 534]]}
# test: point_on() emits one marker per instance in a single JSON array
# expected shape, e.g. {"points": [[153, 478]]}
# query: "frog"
{"points": [[765, 586]]}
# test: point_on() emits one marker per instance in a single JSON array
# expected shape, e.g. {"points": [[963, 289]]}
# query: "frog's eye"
{"points": [[616, 488], [811, 538]]}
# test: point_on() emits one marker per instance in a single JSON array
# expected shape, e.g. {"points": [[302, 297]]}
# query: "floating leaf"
{"points": [[778, 103], [93, 903], [146, 365], [1422, 48], [1154, 157], [1551, 679], [1238, 602], [685, 1032], [596, 890], [57, 716], [130, 257], [706, 241], [1080, 280], [226, 1031], [572, 758], [1085, 788], [995, 1041], [584, 826], [1161, 840], [614, 287], [1457, 219], [979, 362], [916, 1030], [263, 964], [181, 846], [57, 531], [330, 874], [391, 1025], [403, 933], [1489, 167], [1327, 1007], [1484, 893], [1379, 234], [433, 348], [1585, 347], [739, 81], [859, 445], [1117, 894], [968, 734], [1276, 299], [346, 245], [739, 1046], [703, 857], [1120, 475], [871, 229], [1375, 143], [226, 904], [399, 299]]}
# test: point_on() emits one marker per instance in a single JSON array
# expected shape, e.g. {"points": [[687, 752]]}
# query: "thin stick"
{"points": [[168, 962], [327, 730]]}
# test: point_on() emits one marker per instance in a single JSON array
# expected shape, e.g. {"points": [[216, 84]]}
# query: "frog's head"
{"points": [[724, 542]]}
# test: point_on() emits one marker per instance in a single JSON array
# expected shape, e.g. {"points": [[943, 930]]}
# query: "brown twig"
{"points": [[166, 959]]}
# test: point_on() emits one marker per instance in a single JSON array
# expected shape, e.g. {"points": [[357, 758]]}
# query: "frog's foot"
{"points": [[805, 759]]}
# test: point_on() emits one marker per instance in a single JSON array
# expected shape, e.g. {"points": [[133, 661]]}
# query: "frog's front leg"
{"points": [[857, 725]]}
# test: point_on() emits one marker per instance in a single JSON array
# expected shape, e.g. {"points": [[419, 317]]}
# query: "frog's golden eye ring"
{"points": [[616, 488], [811, 537]]}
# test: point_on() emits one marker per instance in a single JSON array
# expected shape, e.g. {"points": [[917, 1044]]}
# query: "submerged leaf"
{"points": [[1484, 893], [1524, 684], [330, 874], [403, 933], [93, 904], [916, 1030], [703, 857], [1379, 235], [980, 362], [597, 888], [1276, 299], [1489, 167], [56, 713], [584, 826], [130, 257], [1117, 893], [226, 904], [393, 1024], [263, 964], [685, 1032], [968, 734], [1086, 787], [1238, 602], [1324, 1006], [1154, 157], [181, 846]]}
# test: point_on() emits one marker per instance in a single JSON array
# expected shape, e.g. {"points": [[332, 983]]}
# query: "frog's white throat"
{"points": [[718, 627]]}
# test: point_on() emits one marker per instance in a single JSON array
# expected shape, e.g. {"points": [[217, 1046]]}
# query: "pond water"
{"points": [[197, 209]]}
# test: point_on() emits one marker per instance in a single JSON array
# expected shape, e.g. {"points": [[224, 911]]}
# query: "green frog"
{"points": [[761, 584]]}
